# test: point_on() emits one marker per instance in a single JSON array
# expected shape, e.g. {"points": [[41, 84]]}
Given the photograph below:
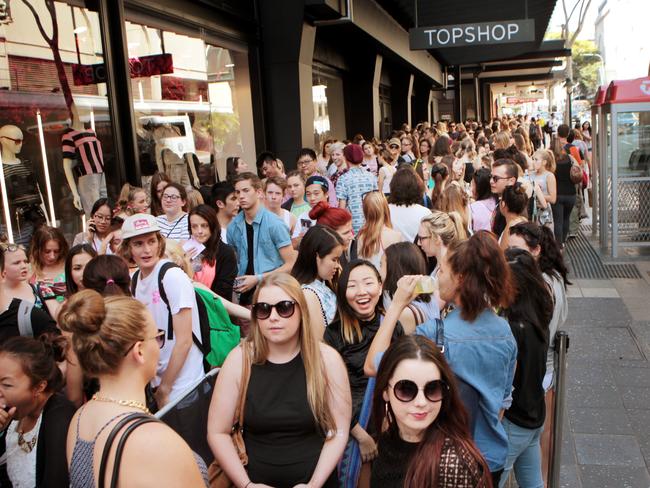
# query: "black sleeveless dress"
{"points": [[283, 441]]}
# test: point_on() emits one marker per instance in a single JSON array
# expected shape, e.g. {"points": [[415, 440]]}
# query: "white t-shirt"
{"points": [[406, 219], [302, 224], [224, 234], [180, 294]]}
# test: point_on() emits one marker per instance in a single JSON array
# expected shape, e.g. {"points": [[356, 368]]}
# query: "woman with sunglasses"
{"points": [[98, 226], [424, 438], [34, 415], [297, 402], [480, 348], [117, 342]]}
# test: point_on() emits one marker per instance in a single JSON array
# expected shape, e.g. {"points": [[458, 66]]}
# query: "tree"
{"points": [[570, 8], [585, 68]]}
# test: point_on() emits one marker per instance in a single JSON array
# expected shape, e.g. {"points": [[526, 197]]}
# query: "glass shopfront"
{"points": [[191, 100]]}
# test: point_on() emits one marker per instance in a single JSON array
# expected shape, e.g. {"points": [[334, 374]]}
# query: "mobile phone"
{"points": [[92, 228]]}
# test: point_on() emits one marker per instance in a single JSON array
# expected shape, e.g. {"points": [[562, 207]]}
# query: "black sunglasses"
{"points": [[406, 390], [159, 338], [285, 309]]}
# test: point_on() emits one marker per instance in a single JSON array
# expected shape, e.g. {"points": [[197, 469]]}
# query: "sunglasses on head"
{"points": [[406, 390], [4, 247], [285, 309], [159, 338]]}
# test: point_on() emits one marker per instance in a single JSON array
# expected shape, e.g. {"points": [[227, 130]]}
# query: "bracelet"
{"points": [[259, 280]]}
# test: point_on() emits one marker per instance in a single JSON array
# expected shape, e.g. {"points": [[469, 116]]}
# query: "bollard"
{"points": [[561, 348]]}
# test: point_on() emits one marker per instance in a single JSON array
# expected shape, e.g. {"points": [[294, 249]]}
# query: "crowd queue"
{"points": [[397, 303]]}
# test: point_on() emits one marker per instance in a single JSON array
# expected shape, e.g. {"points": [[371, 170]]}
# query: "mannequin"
{"points": [[25, 200], [171, 159], [82, 152]]}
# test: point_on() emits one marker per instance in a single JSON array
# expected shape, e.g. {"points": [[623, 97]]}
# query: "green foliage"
{"points": [[585, 68]]}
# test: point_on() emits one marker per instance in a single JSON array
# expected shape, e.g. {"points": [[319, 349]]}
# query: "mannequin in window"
{"points": [[26, 208], [171, 161], [83, 157]]}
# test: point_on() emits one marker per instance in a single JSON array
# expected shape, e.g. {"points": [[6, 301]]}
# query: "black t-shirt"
{"points": [[41, 322], [247, 297], [528, 409], [499, 221]]}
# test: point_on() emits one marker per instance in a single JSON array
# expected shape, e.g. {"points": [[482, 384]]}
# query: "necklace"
{"points": [[26, 445], [124, 403]]}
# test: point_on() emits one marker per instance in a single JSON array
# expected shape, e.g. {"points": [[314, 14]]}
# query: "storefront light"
{"points": [[80, 30], [5, 202], [318, 93], [46, 168]]}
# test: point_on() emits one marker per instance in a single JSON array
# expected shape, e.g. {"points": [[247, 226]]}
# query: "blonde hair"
{"points": [[316, 376], [502, 140], [377, 214], [194, 199], [454, 199], [547, 156], [448, 227], [103, 330], [177, 255]]}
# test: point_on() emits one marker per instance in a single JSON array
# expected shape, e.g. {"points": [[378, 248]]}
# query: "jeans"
{"points": [[524, 454], [561, 216]]}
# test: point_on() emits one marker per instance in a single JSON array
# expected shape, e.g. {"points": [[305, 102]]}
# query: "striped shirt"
{"points": [[21, 185], [176, 229], [85, 148]]}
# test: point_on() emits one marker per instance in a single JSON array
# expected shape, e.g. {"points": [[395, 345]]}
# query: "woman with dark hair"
{"points": [[107, 275], [235, 165], [566, 192], [341, 221], [441, 148], [216, 265], [513, 206], [158, 183], [529, 316], [36, 415], [404, 202], [401, 259], [424, 438], [359, 306], [172, 222], [484, 202], [47, 255], [316, 267], [77, 259], [98, 226], [480, 348]]}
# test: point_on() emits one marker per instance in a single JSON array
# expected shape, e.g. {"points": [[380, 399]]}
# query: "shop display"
{"points": [[26, 205], [82, 154]]}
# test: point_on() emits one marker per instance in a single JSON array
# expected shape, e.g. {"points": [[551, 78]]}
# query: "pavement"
{"points": [[606, 436]]}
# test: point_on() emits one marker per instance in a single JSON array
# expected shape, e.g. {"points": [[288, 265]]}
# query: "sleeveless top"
{"points": [[326, 297], [82, 473], [283, 442], [541, 181]]}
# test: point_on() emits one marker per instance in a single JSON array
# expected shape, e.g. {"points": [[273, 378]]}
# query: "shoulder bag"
{"points": [[216, 475]]}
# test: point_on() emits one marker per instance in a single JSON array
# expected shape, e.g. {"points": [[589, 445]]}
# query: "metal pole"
{"points": [[561, 348]]}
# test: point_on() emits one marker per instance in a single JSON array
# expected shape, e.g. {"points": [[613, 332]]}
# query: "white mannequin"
{"points": [[69, 163], [10, 149], [93, 187]]}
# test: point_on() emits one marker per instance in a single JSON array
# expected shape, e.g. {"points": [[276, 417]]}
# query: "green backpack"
{"points": [[224, 335]]}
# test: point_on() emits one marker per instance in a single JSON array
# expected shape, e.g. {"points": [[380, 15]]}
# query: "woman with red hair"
{"points": [[341, 221]]}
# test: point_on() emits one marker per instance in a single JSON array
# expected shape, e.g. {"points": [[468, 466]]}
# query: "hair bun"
{"points": [[319, 209], [56, 345], [83, 313]]}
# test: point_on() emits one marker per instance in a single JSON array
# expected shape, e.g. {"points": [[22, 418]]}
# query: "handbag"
{"points": [[216, 475]]}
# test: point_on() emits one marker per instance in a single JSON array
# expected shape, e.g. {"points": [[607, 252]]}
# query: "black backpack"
{"points": [[203, 343]]}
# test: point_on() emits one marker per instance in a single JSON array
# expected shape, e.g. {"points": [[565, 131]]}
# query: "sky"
{"points": [[588, 29]]}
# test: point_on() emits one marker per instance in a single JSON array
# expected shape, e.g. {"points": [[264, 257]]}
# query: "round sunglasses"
{"points": [[285, 309], [406, 390]]}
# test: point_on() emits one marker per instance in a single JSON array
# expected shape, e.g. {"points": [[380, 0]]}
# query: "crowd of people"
{"points": [[397, 303]]}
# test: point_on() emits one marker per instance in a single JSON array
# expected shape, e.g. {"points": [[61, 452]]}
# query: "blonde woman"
{"points": [[544, 171], [377, 233], [437, 232], [297, 410], [455, 199]]}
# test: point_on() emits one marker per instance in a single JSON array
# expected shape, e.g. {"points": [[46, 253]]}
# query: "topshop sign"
{"points": [[477, 34]]}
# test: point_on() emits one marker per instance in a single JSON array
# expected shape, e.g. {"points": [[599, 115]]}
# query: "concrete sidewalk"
{"points": [[607, 423]]}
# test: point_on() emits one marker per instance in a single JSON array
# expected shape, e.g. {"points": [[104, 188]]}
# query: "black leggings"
{"points": [[561, 216]]}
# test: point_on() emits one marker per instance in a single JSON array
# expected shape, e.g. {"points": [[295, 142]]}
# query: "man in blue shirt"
{"points": [[260, 238], [352, 185]]}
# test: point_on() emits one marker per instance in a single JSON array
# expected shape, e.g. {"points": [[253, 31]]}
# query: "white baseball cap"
{"points": [[139, 224]]}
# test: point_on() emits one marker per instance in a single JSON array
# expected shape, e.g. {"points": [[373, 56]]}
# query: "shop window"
{"points": [[329, 112], [55, 129], [187, 112]]}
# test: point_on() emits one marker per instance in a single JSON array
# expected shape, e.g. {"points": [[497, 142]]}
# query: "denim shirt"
{"points": [[269, 235], [483, 354]]}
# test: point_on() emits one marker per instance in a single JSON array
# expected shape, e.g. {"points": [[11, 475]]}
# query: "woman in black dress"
{"points": [[297, 406]]}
